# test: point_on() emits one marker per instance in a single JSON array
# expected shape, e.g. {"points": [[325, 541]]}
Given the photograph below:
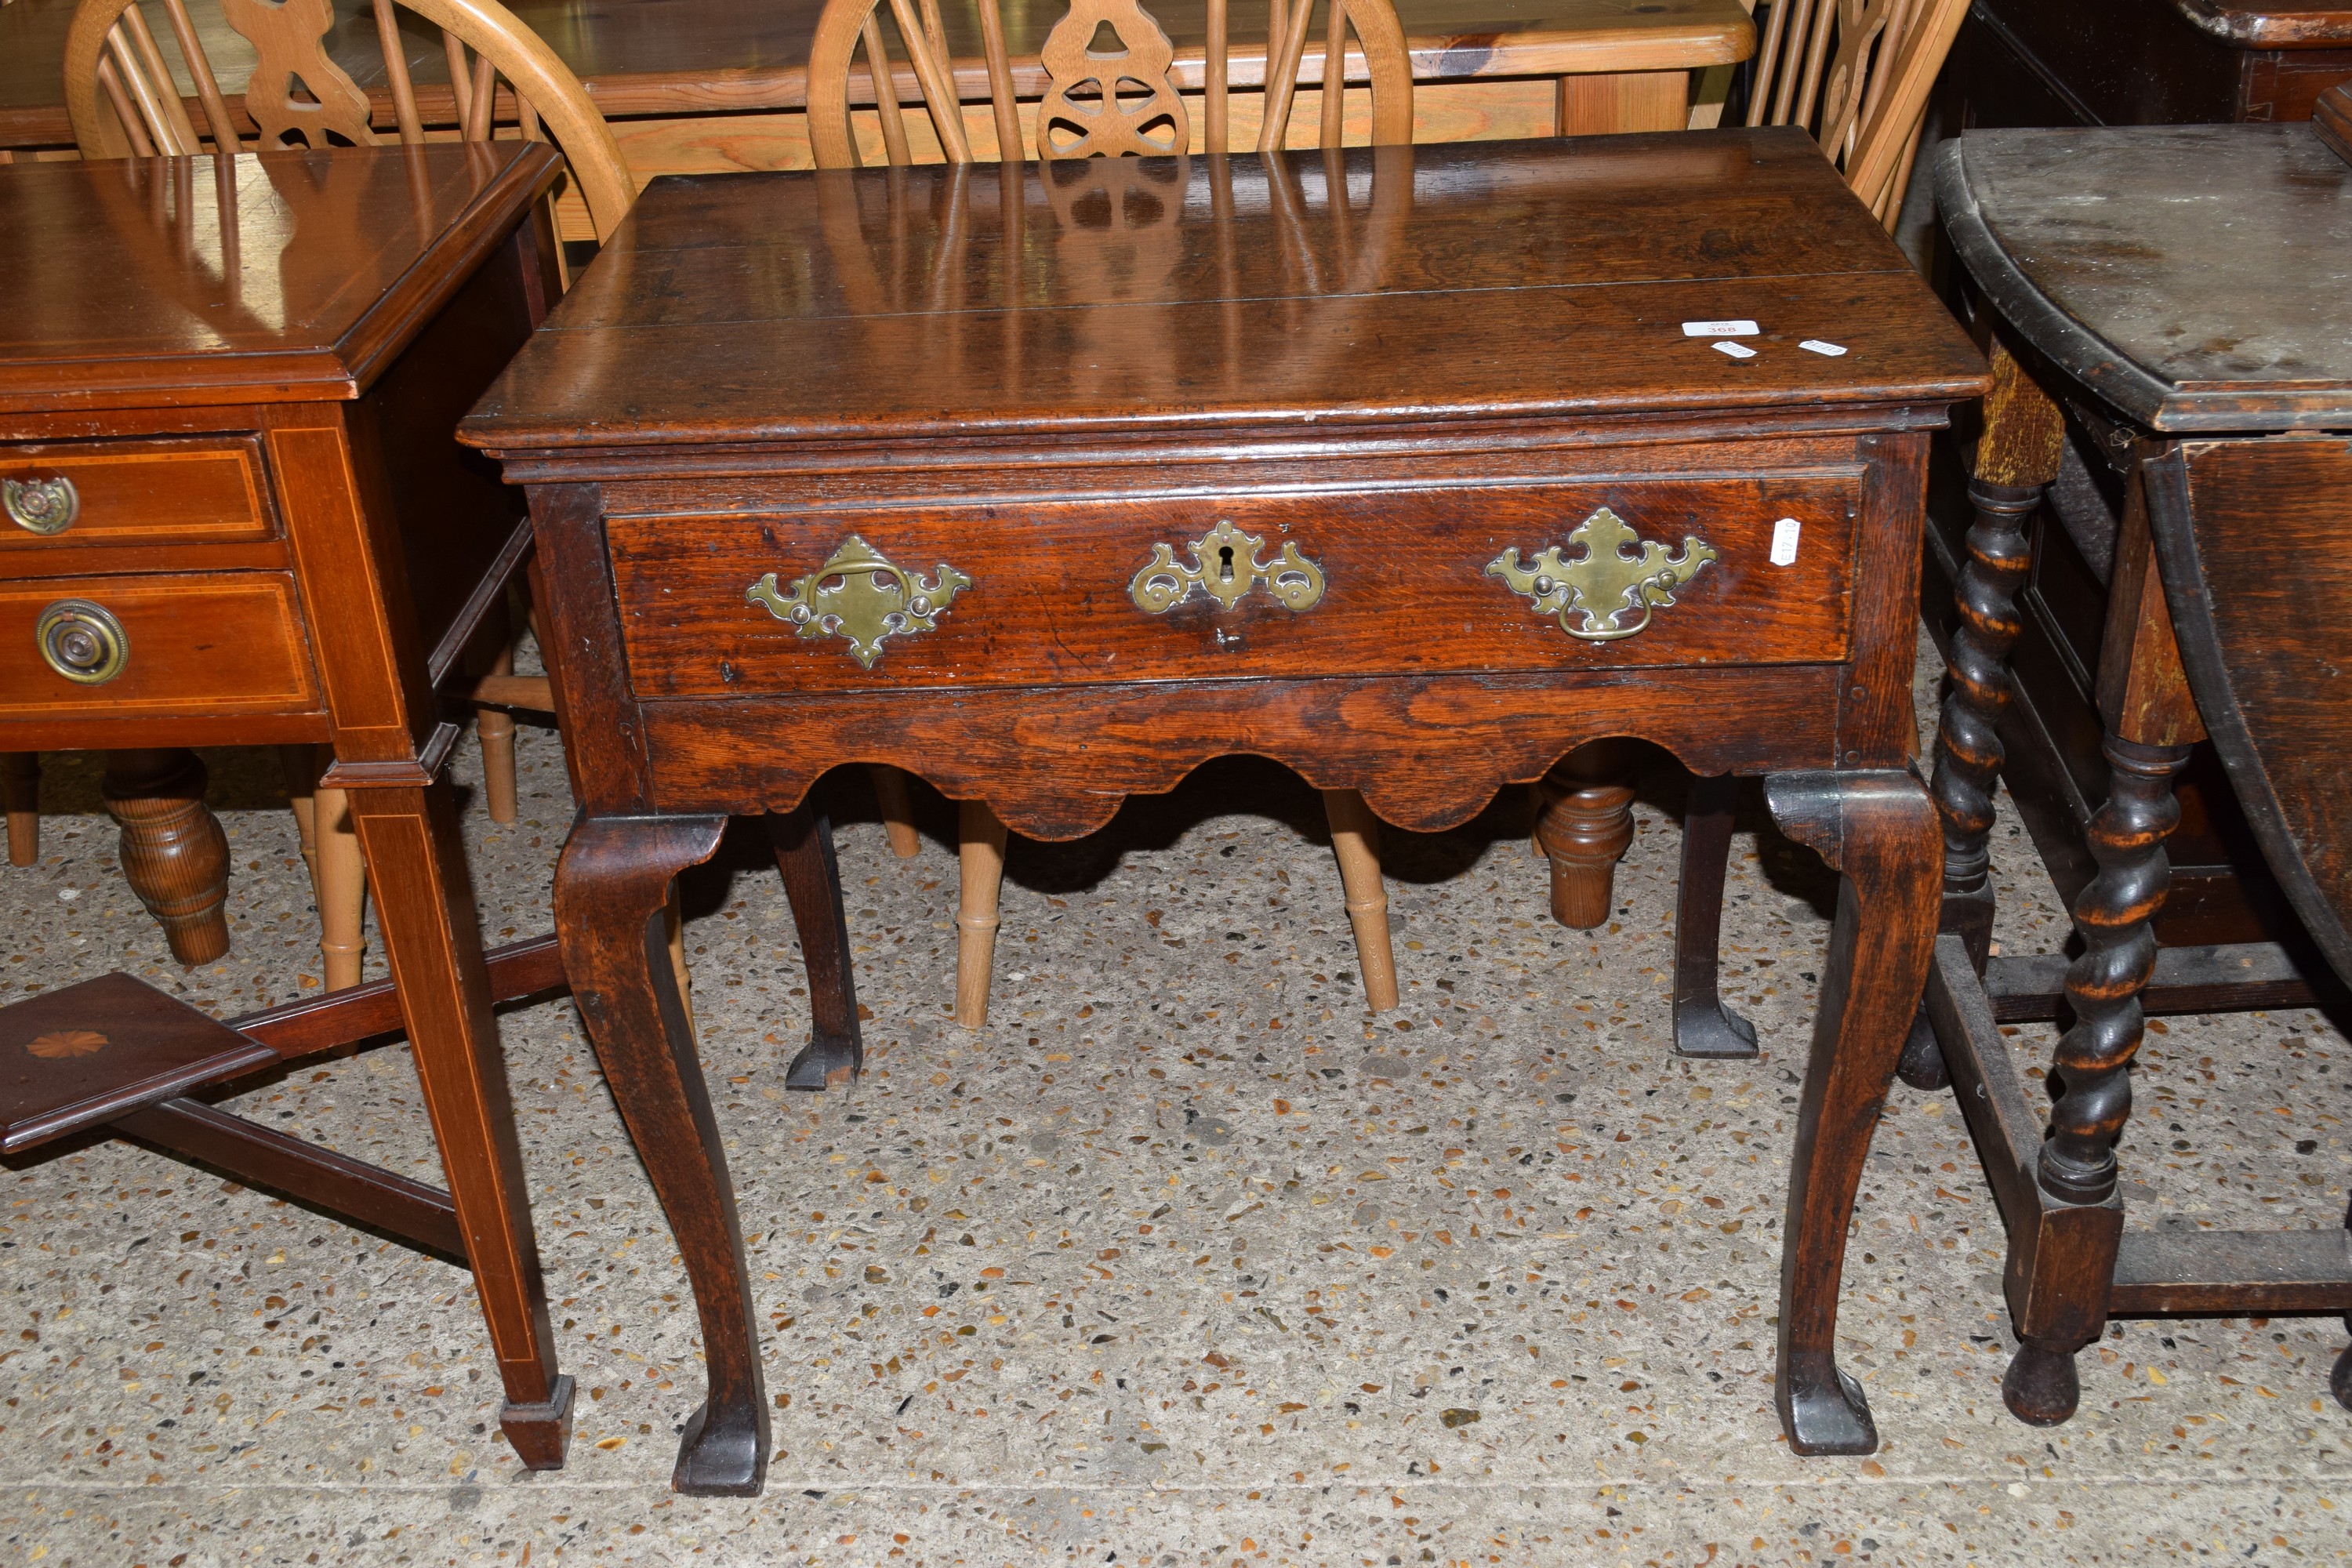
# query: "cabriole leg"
{"points": [[1704, 1027], [610, 889], [1878, 830], [835, 1053]]}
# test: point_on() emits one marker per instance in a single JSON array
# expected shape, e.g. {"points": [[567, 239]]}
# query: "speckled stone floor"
{"points": [[1184, 1260]]}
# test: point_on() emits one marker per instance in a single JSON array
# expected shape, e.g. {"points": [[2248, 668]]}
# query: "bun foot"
{"points": [[1922, 1065], [2339, 1382], [2040, 1387], [828, 1061], [541, 1433], [727, 1457]]}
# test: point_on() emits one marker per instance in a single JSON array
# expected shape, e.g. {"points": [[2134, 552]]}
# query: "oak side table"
{"points": [[236, 517], [1399, 466]]}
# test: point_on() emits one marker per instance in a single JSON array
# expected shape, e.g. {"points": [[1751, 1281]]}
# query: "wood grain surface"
{"points": [[202, 280], [143, 493], [1516, 281], [2192, 275]]}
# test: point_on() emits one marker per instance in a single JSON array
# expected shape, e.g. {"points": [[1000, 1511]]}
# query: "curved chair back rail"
{"points": [[1096, 103], [122, 99]]}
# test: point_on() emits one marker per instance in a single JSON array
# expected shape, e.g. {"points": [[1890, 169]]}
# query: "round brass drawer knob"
{"points": [[82, 641], [40, 506]]}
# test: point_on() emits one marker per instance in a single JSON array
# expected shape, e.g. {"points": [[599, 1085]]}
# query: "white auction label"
{"points": [[1737, 351], [1784, 541], [1718, 328], [1831, 351]]}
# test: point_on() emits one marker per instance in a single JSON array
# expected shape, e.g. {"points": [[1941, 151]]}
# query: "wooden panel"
{"points": [[2192, 276], [145, 492], [2252, 536], [1055, 763], [200, 644], [1627, 101], [79, 1055], [1520, 280], [1406, 589]]}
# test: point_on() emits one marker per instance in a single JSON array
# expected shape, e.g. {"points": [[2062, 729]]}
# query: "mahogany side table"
{"points": [[236, 517], [1048, 483]]}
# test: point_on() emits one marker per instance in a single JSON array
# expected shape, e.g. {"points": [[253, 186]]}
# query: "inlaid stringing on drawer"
{"points": [[1755, 569], [131, 492], [199, 642]]}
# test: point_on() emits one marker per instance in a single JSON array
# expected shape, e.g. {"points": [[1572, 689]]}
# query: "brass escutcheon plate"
{"points": [[1225, 568], [860, 595], [1603, 584]]}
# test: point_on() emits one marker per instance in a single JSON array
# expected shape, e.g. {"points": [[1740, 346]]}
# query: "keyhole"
{"points": [[1225, 561]]}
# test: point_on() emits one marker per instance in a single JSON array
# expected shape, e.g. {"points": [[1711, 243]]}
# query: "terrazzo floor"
{"points": [[1184, 1260]]}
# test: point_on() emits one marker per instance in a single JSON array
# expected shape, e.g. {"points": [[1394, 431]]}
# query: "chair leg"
{"points": [[175, 855], [1586, 824], [898, 810], [981, 855], [496, 727], [299, 764], [20, 789], [341, 884], [1356, 840], [1704, 1027]]}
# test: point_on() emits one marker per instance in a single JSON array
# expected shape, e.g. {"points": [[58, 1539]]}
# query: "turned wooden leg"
{"points": [[2066, 1301], [1356, 840], [898, 810], [611, 888], [1878, 830], [836, 1054], [341, 884], [175, 855], [299, 764], [1587, 823], [980, 855], [2016, 459], [425, 901], [495, 728], [20, 791], [1704, 1027]]}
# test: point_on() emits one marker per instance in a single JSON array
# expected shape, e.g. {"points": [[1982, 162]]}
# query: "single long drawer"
{"points": [[193, 645], [1585, 575], [131, 492]]}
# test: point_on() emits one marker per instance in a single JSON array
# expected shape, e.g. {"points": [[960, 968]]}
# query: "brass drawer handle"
{"points": [[40, 506], [873, 600], [1604, 583], [82, 641], [1225, 568]]}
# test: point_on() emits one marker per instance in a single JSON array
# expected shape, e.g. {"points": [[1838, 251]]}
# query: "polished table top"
{"points": [[2196, 276], [700, 57], [266, 276], [1495, 279]]}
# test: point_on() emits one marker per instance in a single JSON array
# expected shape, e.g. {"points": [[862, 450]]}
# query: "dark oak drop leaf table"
{"points": [[1397, 466], [231, 514]]}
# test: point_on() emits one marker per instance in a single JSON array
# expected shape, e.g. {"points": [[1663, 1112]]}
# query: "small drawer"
{"points": [[191, 645], [1758, 570], [131, 492]]}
